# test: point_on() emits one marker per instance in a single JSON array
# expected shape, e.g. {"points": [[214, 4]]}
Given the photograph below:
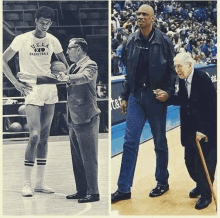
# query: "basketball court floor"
{"points": [[176, 201], [59, 176]]}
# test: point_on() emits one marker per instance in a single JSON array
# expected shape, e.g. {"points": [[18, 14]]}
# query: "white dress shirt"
{"points": [[188, 82]]}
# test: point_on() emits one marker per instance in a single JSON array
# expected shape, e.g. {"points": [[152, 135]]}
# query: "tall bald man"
{"points": [[148, 57]]}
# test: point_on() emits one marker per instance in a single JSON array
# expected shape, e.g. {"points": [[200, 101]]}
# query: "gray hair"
{"points": [[184, 57], [81, 42]]}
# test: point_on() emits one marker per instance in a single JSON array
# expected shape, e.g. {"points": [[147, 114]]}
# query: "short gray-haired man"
{"points": [[84, 121], [198, 116]]}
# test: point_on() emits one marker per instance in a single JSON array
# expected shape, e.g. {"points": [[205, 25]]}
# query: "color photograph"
{"points": [[164, 107]]}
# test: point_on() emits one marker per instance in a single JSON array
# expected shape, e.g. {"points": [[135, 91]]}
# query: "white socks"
{"points": [[41, 164], [28, 168]]}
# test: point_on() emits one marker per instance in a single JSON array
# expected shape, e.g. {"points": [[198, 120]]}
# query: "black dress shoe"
{"points": [[89, 198], [118, 196], [159, 190], [77, 195], [203, 203], [194, 193]]}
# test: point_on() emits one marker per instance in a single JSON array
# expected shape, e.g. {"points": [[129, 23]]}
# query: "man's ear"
{"points": [[153, 18]]}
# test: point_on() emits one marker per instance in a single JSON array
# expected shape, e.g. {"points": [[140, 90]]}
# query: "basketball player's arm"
{"points": [[33, 79], [7, 56], [61, 57]]}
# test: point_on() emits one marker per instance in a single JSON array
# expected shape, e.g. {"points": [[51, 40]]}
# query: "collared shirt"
{"points": [[73, 67], [142, 70], [188, 82]]}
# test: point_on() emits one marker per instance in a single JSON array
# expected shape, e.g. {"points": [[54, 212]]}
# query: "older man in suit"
{"points": [[83, 120], [198, 115], [83, 117]]}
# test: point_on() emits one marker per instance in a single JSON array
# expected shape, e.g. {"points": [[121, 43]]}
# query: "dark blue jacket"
{"points": [[161, 69]]}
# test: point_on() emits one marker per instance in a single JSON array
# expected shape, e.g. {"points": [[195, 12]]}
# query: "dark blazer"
{"points": [[161, 70], [199, 112], [81, 91]]}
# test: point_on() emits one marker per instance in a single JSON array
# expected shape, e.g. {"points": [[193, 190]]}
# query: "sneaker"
{"points": [[26, 191], [41, 187]]}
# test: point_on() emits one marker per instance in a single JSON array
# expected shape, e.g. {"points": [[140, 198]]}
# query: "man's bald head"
{"points": [[147, 8], [145, 17]]}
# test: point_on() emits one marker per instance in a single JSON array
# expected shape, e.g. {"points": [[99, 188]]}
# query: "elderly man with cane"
{"points": [[198, 116]]}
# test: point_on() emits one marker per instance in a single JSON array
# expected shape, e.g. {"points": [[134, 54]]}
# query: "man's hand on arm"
{"points": [[124, 106], [161, 95]]}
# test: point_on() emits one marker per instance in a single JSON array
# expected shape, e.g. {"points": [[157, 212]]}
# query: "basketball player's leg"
{"points": [[33, 114], [47, 112]]}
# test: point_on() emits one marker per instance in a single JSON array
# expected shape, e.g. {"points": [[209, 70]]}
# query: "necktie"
{"points": [[185, 92], [72, 69]]}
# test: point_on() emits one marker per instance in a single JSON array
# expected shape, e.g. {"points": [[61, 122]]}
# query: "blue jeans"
{"points": [[141, 107]]}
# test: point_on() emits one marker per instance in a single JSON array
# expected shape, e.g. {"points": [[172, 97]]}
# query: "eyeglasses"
{"points": [[72, 47]]}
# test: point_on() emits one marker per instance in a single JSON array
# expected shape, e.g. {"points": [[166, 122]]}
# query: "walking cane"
{"points": [[206, 171]]}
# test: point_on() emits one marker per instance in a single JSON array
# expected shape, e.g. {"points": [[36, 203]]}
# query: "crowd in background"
{"points": [[191, 25]]}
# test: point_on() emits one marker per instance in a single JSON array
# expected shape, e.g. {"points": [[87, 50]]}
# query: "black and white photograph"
{"points": [[55, 134], [163, 107]]}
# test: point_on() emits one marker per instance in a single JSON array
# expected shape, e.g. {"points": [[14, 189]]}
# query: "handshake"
{"points": [[32, 79]]}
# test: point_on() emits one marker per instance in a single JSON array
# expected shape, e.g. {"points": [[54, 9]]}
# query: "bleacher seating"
{"points": [[12, 16], [28, 17], [91, 22], [6, 7], [85, 6], [54, 23], [70, 6], [32, 24], [98, 5], [17, 7], [30, 7], [11, 24], [21, 23], [94, 15], [102, 31], [82, 16], [103, 22]]}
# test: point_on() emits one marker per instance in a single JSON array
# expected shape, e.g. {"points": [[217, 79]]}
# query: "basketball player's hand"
{"points": [[124, 106], [200, 136], [161, 95], [24, 89]]}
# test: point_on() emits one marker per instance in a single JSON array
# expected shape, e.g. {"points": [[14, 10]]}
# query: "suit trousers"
{"points": [[195, 168], [143, 106], [84, 151]]}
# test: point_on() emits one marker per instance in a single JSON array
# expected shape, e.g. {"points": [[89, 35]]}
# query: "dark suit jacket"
{"points": [[199, 112], [81, 92]]}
